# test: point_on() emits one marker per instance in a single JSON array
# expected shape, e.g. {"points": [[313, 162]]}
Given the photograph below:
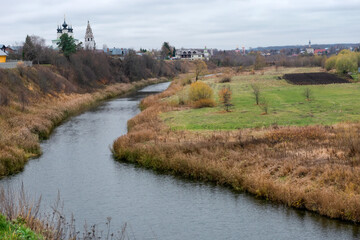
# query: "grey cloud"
{"points": [[188, 23]]}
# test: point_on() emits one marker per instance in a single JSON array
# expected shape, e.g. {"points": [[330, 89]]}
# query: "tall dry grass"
{"points": [[315, 168], [19, 206], [21, 129]]}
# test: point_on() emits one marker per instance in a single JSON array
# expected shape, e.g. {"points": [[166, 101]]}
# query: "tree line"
{"points": [[76, 71]]}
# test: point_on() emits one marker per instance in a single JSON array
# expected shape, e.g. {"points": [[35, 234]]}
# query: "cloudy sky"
{"points": [[222, 24]]}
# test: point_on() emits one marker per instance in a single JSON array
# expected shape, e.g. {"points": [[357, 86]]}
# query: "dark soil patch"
{"points": [[313, 78]]}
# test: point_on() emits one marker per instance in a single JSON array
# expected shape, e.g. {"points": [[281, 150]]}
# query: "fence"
{"points": [[13, 64]]}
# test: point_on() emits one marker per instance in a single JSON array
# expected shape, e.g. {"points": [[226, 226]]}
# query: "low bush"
{"points": [[330, 63], [200, 90], [225, 79], [207, 102]]}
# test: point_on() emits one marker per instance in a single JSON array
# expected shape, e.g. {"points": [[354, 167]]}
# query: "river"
{"points": [[77, 162]]}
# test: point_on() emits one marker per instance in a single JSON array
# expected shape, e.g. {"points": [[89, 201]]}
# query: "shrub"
{"points": [[206, 102], [225, 79], [200, 90], [330, 63], [185, 81], [4, 97], [346, 63]]}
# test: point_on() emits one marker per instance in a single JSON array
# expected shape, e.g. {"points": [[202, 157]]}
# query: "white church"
{"points": [[89, 38], [66, 29]]}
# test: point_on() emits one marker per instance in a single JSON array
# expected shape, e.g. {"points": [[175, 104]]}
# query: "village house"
{"points": [[117, 52], [320, 52], [3, 56], [193, 54]]}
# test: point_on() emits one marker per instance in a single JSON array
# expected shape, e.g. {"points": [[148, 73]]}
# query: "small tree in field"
{"points": [[307, 93], [200, 68], [225, 95], [264, 105], [256, 92]]}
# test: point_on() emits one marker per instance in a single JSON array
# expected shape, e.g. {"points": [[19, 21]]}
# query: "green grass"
{"points": [[287, 104], [16, 230]]}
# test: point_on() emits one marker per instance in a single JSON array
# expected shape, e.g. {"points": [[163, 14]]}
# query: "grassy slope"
{"points": [[21, 130], [287, 105]]}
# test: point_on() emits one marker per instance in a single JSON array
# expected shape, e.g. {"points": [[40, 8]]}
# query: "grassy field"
{"points": [[307, 167], [287, 104]]}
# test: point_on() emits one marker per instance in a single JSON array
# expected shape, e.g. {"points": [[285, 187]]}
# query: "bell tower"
{"points": [[89, 38]]}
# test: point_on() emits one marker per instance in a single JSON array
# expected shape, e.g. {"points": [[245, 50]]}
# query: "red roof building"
{"points": [[320, 51]]}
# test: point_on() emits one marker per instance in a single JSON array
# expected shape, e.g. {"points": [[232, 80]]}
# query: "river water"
{"points": [[77, 162]]}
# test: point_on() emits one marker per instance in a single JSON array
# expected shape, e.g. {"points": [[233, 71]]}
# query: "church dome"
{"points": [[64, 24]]}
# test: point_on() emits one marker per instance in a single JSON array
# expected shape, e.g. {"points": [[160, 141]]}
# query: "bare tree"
{"points": [[34, 48], [200, 68]]}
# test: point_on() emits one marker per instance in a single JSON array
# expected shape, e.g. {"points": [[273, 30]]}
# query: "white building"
{"points": [[66, 29], [310, 50], [89, 38], [194, 54]]}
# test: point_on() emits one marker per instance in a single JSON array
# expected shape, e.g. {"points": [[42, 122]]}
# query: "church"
{"points": [[66, 29], [89, 38]]}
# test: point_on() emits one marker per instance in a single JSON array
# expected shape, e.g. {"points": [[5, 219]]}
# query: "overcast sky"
{"points": [[222, 24]]}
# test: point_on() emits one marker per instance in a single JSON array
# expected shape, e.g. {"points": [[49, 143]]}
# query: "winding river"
{"points": [[77, 162]]}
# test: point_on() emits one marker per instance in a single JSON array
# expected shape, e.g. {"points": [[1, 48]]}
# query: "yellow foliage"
{"points": [[200, 90]]}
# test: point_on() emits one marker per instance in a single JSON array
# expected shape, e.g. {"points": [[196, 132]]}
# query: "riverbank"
{"points": [[312, 167], [22, 129]]}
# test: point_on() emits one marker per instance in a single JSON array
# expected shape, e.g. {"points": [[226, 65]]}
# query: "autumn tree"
{"points": [[67, 45], [200, 68], [259, 61], [225, 95], [346, 63], [166, 50]]}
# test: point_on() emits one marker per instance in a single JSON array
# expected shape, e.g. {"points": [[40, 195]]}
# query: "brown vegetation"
{"points": [[30, 107], [315, 168], [19, 207]]}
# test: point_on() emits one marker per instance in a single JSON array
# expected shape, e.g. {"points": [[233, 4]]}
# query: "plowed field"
{"points": [[313, 78]]}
